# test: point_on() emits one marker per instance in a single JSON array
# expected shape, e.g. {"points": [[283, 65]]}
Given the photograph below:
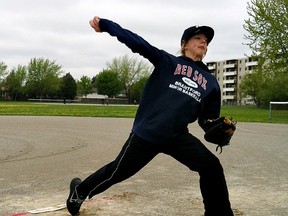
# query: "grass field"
{"points": [[241, 114]]}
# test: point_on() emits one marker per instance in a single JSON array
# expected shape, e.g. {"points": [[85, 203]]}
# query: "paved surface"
{"points": [[40, 155]]}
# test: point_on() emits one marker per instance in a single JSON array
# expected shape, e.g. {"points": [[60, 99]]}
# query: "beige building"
{"points": [[229, 74]]}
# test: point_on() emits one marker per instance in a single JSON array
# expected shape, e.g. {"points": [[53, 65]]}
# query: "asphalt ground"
{"points": [[40, 155]]}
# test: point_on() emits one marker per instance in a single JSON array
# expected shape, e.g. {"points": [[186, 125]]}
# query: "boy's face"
{"points": [[196, 46]]}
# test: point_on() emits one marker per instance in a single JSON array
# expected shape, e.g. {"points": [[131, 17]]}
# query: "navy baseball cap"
{"points": [[194, 30]]}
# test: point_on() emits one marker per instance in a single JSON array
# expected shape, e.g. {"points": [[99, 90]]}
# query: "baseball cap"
{"points": [[194, 30]]}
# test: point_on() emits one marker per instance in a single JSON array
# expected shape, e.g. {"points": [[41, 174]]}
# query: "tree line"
{"points": [[267, 28], [44, 79], [267, 36]]}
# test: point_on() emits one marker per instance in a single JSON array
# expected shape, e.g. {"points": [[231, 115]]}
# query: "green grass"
{"points": [[253, 114], [239, 113], [45, 109]]}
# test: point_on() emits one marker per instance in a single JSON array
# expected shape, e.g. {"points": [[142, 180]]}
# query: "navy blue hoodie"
{"points": [[178, 92]]}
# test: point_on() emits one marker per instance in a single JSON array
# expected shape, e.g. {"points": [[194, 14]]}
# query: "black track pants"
{"points": [[186, 149]]}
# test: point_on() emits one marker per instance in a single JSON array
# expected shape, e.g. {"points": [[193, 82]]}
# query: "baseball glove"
{"points": [[219, 131]]}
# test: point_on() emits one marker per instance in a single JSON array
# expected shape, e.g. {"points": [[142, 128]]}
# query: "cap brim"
{"points": [[207, 31], [194, 30]]}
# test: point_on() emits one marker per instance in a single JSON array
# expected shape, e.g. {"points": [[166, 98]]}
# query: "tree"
{"points": [[68, 87], [84, 86], [268, 29], [108, 83], [3, 71], [138, 88], [268, 38], [43, 78], [15, 82], [130, 70]]}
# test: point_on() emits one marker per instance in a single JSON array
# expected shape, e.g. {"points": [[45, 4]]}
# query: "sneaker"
{"points": [[73, 202]]}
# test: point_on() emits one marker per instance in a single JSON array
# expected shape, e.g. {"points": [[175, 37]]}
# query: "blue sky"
{"points": [[59, 30]]}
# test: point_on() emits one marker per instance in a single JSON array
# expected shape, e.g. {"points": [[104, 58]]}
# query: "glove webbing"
{"points": [[219, 147]]}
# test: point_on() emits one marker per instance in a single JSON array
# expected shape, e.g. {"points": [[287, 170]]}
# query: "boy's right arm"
{"points": [[136, 43]]}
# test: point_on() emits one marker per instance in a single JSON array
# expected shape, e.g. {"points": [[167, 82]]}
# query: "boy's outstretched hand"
{"points": [[94, 23]]}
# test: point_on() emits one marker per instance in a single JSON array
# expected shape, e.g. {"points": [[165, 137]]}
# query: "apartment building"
{"points": [[229, 74]]}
